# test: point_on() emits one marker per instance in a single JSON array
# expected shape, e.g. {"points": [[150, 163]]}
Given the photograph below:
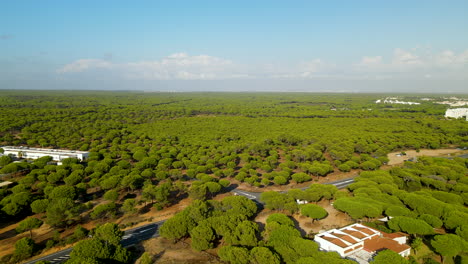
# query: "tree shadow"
{"points": [[231, 187], [138, 250], [175, 198], [8, 234], [145, 209], [158, 256], [129, 196], [298, 227], [92, 195], [261, 226]]}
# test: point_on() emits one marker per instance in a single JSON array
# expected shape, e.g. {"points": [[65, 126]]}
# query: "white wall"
{"points": [[57, 156], [457, 113], [405, 253]]}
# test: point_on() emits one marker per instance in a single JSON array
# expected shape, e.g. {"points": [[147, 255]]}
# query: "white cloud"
{"points": [[84, 65], [403, 64], [405, 58], [369, 61], [415, 64], [450, 59], [314, 69], [175, 66]]}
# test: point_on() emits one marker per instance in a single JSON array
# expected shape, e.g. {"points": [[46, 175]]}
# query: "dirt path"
{"points": [[166, 252], [335, 219], [8, 236], [395, 158]]}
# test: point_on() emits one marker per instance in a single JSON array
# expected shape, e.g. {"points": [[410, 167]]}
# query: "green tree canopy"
{"points": [[24, 248], [234, 255], [313, 211], [388, 257], [410, 225], [448, 245], [109, 232], [28, 224], [263, 255]]}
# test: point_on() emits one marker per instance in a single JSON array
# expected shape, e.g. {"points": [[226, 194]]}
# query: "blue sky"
{"points": [[99, 44]]}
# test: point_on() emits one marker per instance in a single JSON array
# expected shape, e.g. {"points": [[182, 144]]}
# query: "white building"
{"points": [[361, 243], [35, 153], [457, 113], [390, 100]]}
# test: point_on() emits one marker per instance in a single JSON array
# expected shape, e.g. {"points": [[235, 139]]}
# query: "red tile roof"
{"points": [[354, 233], [335, 241], [378, 243], [394, 235], [364, 230], [345, 237]]}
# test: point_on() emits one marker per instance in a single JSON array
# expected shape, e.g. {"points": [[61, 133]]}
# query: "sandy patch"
{"points": [[8, 237], [395, 158], [164, 251], [335, 219]]}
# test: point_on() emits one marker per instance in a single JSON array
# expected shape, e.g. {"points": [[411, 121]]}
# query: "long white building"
{"points": [[457, 113], [35, 153]]}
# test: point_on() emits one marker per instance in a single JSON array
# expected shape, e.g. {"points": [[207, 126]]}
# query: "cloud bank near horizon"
{"points": [[416, 64]]}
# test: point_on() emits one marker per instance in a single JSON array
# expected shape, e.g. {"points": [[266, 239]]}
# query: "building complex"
{"points": [[457, 113], [35, 153], [361, 243]]}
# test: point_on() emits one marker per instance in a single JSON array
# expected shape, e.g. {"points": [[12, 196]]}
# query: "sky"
{"points": [[316, 46]]}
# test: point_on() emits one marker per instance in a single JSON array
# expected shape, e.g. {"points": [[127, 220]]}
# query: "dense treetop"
{"points": [[161, 147]]}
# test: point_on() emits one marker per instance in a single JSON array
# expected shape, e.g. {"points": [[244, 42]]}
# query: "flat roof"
{"points": [[43, 150]]}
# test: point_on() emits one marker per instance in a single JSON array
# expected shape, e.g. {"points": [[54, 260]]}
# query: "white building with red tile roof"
{"points": [[351, 241]]}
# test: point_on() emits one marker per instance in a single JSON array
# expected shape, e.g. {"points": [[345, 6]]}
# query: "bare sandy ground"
{"points": [[395, 159], [165, 251], [335, 219]]}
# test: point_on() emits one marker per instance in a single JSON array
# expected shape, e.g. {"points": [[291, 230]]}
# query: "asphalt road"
{"points": [[136, 235], [256, 195], [131, 237], [342, 183]]}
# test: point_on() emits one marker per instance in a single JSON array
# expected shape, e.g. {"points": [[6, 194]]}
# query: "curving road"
{"points": [[136, 235], [256, 195], [131, 237]]}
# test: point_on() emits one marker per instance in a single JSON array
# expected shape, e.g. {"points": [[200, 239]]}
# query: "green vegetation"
{"points": [[154, 149], [28, 224], [313, 211], [419, 196], [212, 223], [388, 257], [104, 247]]}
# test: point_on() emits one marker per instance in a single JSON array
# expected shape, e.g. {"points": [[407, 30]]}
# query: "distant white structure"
{"points": [[457, 113], [5, 183], [391, 100], [361, 243], [35, 153], [454, 103], [301, 201]]}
